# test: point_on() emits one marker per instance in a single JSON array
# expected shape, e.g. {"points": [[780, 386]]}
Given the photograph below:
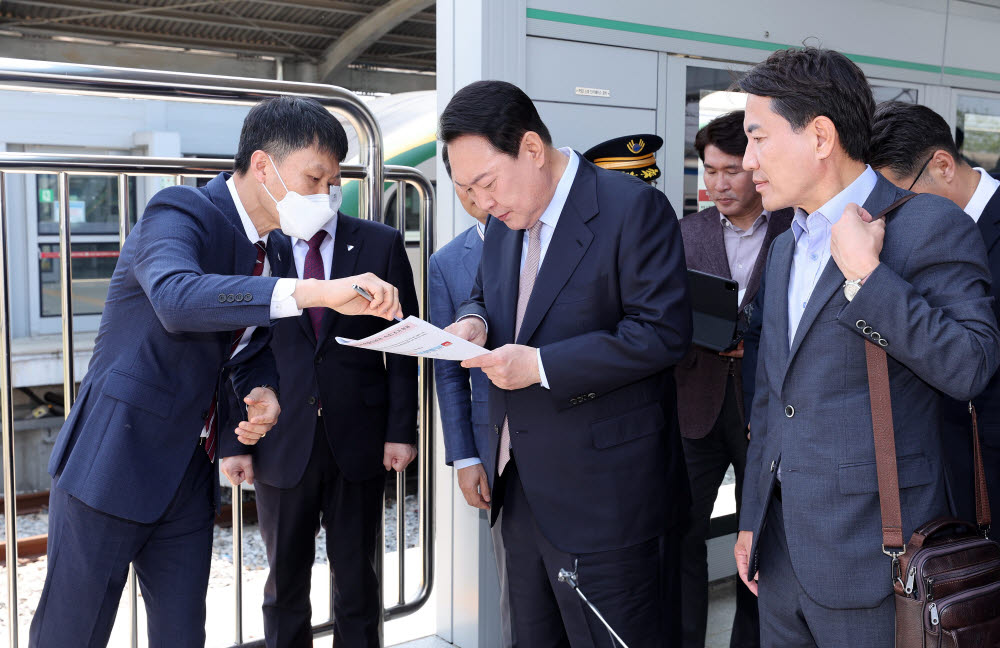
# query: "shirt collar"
{"points": [[480, 231], [984, 193], [857, 192], [330, 227], [551, 214], [761, 220], [248, 227]]}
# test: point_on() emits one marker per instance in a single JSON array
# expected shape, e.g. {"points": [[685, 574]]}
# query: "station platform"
{"points": [[721, 607]]}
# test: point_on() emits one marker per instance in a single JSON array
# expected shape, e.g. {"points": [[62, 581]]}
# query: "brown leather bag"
{"points": [[947, 577]]}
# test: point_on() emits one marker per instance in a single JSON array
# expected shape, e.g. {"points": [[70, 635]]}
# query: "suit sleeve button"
{"points": [[239, 297], [311, 400], [861, 324], [222, 298], [230, 298], [591, 395], [789, 411], [248, 297]]}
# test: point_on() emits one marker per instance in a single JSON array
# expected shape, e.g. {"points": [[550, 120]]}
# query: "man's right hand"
{"points": [[339, 294], [238, 469], [472, 329], [475, 486], [744, 541]]}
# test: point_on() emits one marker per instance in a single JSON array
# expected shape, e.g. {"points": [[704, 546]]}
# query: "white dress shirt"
{"points": [[300, 248], [984, 193], [549, 219], [282, 302], [812, 244]]}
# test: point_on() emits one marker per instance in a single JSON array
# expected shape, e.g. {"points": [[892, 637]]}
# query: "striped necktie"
{"points": [[525, 286]]}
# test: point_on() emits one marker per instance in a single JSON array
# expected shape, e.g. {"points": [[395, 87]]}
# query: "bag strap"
{"points": [[982, 493], [893, 543]]}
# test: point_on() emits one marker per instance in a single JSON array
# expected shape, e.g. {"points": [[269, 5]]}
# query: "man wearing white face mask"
{"points": [[184, 326]]}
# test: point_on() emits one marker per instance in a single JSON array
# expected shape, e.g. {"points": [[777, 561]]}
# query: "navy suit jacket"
{"points": [[368, 398], [929, 300], [179, 290], [462, 393], [598, 454], [958, 452]]}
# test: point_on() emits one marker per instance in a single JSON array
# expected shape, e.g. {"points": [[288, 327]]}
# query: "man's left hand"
{"points": [[262, 414], [735, 353], [238, 469], [397, 456], [512, 366], [856, 242]]}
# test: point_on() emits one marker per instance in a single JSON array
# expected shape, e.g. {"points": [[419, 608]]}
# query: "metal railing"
{"points": [[38, 76]]}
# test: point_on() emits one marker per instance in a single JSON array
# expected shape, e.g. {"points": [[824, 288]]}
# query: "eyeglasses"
{"points": [[919, 173]]}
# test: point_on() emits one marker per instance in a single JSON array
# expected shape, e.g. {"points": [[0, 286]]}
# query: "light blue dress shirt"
{"points": [[812, 244]]}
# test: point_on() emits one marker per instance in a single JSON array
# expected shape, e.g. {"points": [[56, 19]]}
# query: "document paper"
{"points": [[415, 337]]}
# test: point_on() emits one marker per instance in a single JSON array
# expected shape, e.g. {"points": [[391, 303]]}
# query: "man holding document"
{"points": [[582, 296]]}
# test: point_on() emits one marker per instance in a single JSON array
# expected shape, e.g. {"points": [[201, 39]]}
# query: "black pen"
{"points": [[364, 293]]}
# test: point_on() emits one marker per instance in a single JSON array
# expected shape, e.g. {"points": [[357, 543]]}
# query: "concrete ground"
{"points": [[721, 607]]}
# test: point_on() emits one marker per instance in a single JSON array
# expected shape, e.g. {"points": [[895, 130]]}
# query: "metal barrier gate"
{"points": [[119, 82]]}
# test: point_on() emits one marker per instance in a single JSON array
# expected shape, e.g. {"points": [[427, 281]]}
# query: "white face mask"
{"points": [[302, 216]]}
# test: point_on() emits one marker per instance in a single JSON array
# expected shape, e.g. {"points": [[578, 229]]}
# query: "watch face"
{"points": [[850, 290]]}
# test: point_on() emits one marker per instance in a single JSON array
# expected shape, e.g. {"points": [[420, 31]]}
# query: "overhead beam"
{"points": [[364, 33], [162, 14], [162, 39], [46, 49], [335, 6], [165, 14]]}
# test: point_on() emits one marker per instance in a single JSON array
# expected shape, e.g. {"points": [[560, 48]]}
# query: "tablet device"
{"points": [[714, 308]]}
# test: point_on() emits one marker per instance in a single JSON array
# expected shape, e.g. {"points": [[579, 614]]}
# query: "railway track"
{"points": [[34, 547]]}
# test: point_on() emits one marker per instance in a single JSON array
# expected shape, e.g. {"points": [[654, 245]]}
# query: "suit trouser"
{"points": [[628, 586], [88, 557], [707, 461], [496, 533], [789, 618], [290, 518]]}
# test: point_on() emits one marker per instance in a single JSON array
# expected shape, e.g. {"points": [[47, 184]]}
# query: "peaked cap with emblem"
{"points": [[631, 154]]}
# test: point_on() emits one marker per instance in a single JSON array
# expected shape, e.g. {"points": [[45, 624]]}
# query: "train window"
{"points": [[92, 265], [411, 212], [93, 204], [93, 216], [978, 128]]}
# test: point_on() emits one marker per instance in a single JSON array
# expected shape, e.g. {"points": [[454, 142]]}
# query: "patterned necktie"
{"points": [[313, 269], [258, 269], [527, 283]]}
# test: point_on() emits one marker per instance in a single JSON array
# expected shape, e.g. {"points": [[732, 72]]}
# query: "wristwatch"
{"points": [[851, 288]]}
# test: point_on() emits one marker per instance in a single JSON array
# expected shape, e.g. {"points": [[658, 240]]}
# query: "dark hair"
{"points": [[807, 83], [496, 110], [280, 125], [444, 158], [905, 135], [724, 132]]}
